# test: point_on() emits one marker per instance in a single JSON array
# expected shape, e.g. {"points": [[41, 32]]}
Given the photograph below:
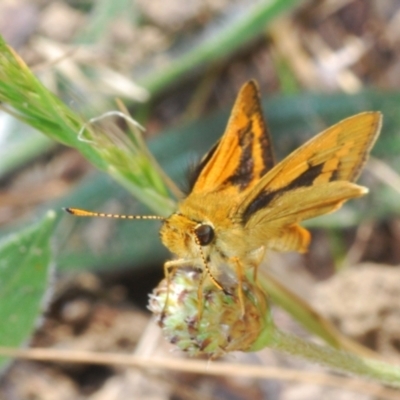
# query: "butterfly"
{"points": [[241, 203]]}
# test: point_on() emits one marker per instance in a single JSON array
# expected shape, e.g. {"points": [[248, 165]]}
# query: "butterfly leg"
{"points": [[239, 273], [172, 265], [256, 259], [255, 274]]}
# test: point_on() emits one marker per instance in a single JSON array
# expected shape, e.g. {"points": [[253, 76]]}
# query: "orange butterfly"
{"points": [[240, 204]]}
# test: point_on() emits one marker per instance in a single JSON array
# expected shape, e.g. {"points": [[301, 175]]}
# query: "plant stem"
{"points": [[336, 359]]}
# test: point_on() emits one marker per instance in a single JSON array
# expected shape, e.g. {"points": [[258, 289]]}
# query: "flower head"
{"points": [[222, 326]]}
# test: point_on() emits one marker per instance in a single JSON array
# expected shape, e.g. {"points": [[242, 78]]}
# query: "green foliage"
{"points": [[29, 101], [25, 265]]}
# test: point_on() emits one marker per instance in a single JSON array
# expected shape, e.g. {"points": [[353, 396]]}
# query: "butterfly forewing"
{"points": [[338, 153], [243, 155]]}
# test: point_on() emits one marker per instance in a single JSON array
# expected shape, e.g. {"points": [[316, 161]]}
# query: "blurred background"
{"points": [[178, 66]]}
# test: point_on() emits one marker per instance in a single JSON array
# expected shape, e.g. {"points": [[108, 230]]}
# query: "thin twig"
{"points": [[200, 367]]}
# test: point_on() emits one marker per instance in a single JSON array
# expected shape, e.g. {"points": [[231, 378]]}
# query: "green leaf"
{"points": [[25, 265]]}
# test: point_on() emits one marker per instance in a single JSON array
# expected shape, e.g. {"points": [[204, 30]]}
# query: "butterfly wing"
{"points": [[313, 180], [243, 155]]}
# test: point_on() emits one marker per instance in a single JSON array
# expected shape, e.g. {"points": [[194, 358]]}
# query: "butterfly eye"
{"points": [[205, 234]]}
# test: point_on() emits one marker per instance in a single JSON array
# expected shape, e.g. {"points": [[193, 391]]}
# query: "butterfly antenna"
{"points": [[206, 266], [84, 213]]}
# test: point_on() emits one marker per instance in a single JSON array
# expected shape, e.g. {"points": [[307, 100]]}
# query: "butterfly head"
{"points": [[183, 236]]}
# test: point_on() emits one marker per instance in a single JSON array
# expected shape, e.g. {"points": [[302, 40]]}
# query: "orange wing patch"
{"points": [[244, 154]]}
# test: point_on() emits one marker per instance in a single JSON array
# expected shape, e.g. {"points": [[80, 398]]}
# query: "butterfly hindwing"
{"points": [[244, 153]]}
